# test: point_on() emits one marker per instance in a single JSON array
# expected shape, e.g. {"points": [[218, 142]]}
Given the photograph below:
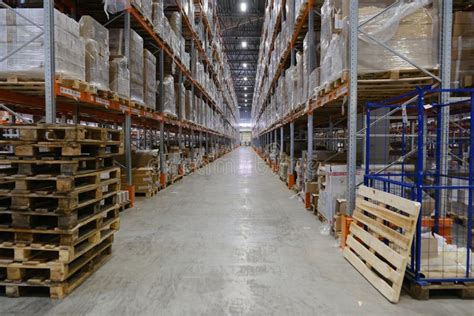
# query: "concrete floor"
{"points": [[230, 239]]}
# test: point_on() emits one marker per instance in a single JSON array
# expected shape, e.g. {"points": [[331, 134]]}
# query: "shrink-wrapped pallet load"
{"points": [[462, 54], [408, 27], [169, 98], [119, 76], [96, 41], [149, 86], [117, 49], [28, 62]]}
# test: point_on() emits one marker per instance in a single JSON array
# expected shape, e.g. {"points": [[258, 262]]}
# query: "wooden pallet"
{"points": [[147, 193], [56, 183], [56, 290], [59, 133], [65, 149], [61, 203], [50, 165], [448, 289], [34, 254], [51, 219], [380, 251]]}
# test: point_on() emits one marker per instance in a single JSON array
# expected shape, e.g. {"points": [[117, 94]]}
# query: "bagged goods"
{"points": [[149, 86]]}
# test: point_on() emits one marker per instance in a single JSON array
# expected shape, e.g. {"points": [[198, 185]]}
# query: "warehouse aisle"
{"points": [[230, 239]]}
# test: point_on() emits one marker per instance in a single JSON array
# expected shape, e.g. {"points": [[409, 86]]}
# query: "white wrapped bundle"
{"points": [[28, 63], [169, 99], [96, 40], [120, 77], [149, 86]]}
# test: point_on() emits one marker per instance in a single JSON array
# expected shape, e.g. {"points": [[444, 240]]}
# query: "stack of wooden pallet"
{"points": [[58, 211]]}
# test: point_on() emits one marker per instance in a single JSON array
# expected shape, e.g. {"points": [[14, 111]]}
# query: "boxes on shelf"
{"points": [[180, 96], [119, 77], [117, 49], [96, 41], [28, 62], [149, 86]]}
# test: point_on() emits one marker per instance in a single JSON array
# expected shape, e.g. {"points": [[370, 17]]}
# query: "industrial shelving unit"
{"points": [[77, 103], [339, 105]]}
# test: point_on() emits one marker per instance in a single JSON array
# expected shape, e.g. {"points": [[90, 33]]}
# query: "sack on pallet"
{"points": [[120, 77], [149, 86], [115, 6], [96, 40], [28, 62]]}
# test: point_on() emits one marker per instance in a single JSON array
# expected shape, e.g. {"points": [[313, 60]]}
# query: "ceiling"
{"points": [[236, 27]]}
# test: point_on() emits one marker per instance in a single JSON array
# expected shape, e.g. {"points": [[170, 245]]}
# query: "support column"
{"points": [[309, 161], [291, 172], [447, 24], [127, 127], [49, 62], [352, 111]]}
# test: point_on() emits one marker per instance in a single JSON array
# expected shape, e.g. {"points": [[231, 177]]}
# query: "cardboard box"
{"points": [[464, 17], [337, 223], [341, 206], [311, 187]]}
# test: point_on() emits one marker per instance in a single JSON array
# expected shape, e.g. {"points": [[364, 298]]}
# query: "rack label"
{"points": [[70, 92], [102, 101]]}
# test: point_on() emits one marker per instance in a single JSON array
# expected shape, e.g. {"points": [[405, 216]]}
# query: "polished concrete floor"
{"points": [[230, 239]]}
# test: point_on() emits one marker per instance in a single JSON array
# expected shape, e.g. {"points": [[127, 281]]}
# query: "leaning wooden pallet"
{"points": [[380, 239], [59, 209]]}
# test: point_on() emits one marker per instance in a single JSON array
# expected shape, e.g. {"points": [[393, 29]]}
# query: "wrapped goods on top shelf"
{"points": [[176, 22], [96, 40], [188, 104], [462, 54], [117, 49], [28, 62], [119, 77], [169, 99], [179, 96], [149, 86], [157, 14], [410, 28]]}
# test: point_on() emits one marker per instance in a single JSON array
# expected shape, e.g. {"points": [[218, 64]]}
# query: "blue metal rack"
{"points": [[418, 176]]}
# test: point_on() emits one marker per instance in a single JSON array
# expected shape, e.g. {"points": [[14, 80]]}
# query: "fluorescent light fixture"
{"points": [[243, 6], [245, 78], [244, 44], [245, 88], [245, 95], [245, 65]]}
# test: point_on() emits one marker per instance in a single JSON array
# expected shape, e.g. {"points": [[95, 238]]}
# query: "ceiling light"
{"points": [[245, 95], [245, 78], [245, 65], [243, 6], [244, 44], [245, 88]]}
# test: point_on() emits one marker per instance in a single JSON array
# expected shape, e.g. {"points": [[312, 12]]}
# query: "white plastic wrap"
{"points": [[189, 110], [169, 98], [179, 96], [410, 28], [28, 63], [96, 40], [120, 77], [149, 86], [157, 15], [114, 6]]}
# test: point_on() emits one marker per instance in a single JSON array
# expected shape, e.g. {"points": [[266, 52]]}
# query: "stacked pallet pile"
{"points": [[59, 210]]}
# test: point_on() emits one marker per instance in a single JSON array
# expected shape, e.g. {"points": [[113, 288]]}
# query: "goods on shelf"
{"points": [[189, 109], [28, 62], [96, 41], [410, 28], [332, 186], [59, 208], [119, 77], [463, 50], [149, 85], [117, 49], [169, 99], [180, 112], [146, 180]]}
